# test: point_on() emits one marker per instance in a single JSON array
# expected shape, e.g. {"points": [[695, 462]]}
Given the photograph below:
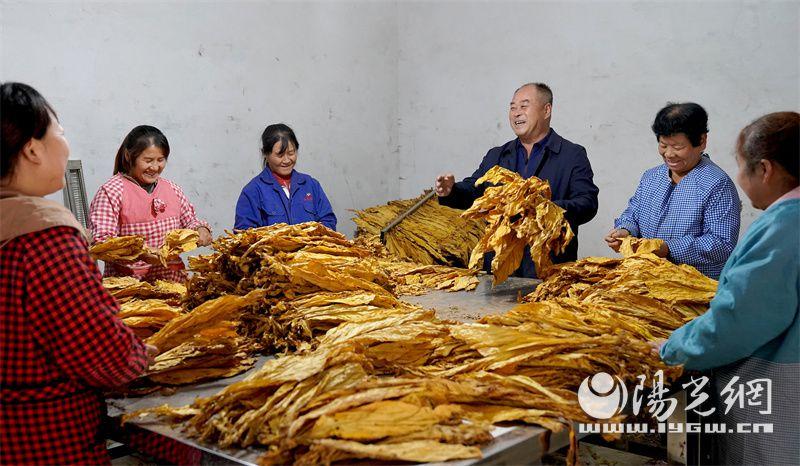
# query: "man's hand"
{"points": [[205, 236], [444, 184], [614, 238]]}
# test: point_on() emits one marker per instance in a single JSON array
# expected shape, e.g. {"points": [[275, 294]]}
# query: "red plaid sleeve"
{"points": [[104, 211], [188, 216], [73, 316]]}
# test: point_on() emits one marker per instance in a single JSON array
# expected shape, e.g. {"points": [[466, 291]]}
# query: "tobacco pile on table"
{"points": [[433, 234], [308, 279], [637, 282], [366, 375]]}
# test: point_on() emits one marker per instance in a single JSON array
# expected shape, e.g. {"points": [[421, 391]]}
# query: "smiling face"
{"points": [[679, 154], [282, 164], [148, 165], [528, 115]]}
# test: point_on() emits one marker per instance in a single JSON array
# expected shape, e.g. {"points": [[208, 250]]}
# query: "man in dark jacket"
{"points": [[537, 151]]}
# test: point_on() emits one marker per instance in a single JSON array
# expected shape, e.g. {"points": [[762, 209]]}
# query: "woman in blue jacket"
{"points": [[280, 194]]}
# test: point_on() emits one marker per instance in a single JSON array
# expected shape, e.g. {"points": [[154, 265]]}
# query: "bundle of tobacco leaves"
{"points": [[414, 279], [147, 316], [128, 288], [119, 249], [632, 245], [433, 234], [177, 242], [291, 325], [621, 282], [129, 249], [297, 265], [202, 344], [519, 213]]}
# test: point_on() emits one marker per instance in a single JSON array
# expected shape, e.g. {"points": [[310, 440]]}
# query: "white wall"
{"points": [[212, 76], [385, 95], [611, 65]]}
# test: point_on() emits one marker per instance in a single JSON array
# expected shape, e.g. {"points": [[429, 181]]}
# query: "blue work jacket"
{"points": [[263, 202], [563, 164]]}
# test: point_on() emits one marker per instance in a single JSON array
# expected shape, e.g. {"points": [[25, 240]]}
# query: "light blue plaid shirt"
{"points": [[698, 217]]}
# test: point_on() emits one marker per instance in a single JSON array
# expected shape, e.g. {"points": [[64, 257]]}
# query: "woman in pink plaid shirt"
{"points": [[137, 201]]}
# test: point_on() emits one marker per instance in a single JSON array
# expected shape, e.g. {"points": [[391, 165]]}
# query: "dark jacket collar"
{"points": [[553, 143]]}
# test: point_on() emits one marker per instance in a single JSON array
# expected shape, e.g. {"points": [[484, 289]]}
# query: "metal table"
{"points": [[465, 306], [511, 445]]}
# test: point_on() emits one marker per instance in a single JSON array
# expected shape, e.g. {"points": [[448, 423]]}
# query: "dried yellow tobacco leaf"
{"points": [[128, 288], [519, 213], [177, 242], [421, 451], [375, 421], [433, 234], [632, 245], [120, 249], [212, 353], [147, 316], [204, 316]]}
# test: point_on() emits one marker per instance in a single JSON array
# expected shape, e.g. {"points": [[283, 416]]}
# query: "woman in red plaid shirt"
{"points": [[137, 201], [60, 341]]}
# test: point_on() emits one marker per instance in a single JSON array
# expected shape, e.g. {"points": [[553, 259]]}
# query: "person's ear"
{"points": [[703, 141], [548, 110], [33, 151], [767, 170]]}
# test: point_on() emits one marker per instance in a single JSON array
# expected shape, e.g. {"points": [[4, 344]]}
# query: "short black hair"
{"points": [[137, 141], [688, 118], [25, 115], [275, 133], [544, 91]]}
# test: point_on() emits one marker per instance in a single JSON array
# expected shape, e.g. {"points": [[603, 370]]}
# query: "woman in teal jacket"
{"points": [[751, 330]]}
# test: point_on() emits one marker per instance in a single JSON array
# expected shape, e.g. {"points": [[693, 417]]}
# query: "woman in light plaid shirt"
{"points": [[138, 201], [688, 201]]}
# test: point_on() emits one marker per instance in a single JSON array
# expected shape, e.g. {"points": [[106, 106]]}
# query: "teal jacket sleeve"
{"points": [[756, 301]]}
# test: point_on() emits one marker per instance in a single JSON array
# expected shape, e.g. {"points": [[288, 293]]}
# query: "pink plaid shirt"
{"points": [[121, 207]]}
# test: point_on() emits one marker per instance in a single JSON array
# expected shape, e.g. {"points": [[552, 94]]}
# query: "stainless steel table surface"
{"points": [[511, 445], [466, 306]]}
